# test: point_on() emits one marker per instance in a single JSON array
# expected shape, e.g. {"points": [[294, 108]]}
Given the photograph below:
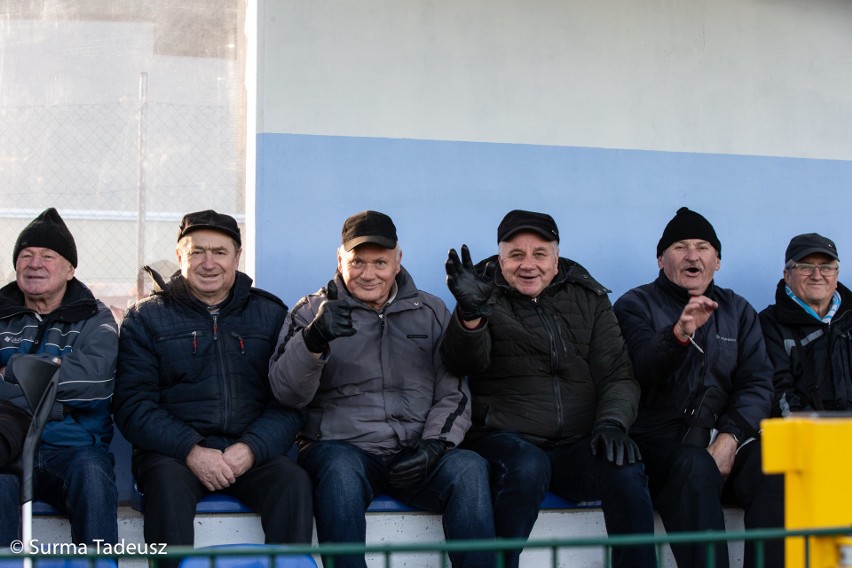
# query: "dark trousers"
{"points": [[521, 473], [689, 493], [279, 490], [14, 424]]}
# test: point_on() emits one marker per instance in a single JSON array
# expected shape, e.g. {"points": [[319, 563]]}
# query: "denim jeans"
{"points": [[522, 472], [689, 492], [347, 478], [79, 481]]}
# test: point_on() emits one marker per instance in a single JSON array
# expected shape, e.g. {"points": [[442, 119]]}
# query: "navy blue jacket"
{"points": [[185, 377], [672, 374]]}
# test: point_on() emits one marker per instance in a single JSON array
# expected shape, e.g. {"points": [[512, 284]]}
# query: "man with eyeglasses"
{"points": [[807, 330], [384, 415], [706, 381]]}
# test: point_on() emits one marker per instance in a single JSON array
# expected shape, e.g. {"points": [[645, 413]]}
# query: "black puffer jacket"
{"points": [[550, 367], [185, 377], [805, 351]]}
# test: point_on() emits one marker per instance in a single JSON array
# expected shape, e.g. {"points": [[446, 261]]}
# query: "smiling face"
{"points": [[42, 275], [529, 263], [690, 264], [816, 289], [369, 272], [208, 262]]}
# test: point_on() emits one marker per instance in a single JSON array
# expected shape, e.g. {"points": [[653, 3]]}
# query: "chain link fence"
{"points": [[122, 176]]}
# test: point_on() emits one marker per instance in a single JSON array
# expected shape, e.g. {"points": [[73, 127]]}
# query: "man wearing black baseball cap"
{"points": [[807, 330], [383, 414], [47, 311], [192, 393], [553, 390], [706, 383]]}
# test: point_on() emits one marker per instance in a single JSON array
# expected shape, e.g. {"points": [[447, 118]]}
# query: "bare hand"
{"points": [[694, 315], [239, 457], [724, 450], [210, 467]]}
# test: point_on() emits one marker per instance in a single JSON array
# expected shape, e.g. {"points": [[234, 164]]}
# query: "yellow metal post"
{"points": [[815, 455]]}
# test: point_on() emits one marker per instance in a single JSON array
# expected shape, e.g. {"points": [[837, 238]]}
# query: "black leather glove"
{"points": [[620, 449], [414, 467], [333, 320], [470, 290]]}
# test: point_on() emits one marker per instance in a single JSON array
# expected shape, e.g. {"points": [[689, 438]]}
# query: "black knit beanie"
{"points": [[48, 230], [688, 224]]}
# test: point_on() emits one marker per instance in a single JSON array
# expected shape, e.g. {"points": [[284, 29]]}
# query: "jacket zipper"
{"points": [[223, 379], [554, 364]]}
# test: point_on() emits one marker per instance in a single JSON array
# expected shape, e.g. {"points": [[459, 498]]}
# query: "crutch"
{"points": [[38, 379]]}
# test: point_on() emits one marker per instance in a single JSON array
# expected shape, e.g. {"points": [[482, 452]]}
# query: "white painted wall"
{"points": [[724, 76]]}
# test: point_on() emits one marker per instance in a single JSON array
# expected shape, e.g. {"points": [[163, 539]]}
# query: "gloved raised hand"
{"points": [[414, 467], [470, 290], [609, 437], [333, 320]]}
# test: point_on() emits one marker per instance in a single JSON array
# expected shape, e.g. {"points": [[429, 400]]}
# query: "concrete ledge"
{"points": [[387, 528]]}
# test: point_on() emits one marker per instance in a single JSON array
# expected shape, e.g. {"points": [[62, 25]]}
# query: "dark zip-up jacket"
{"points": [[672, 374], [549, 367], [186, 377], [384, 388], [83, 333], [807, 353]]}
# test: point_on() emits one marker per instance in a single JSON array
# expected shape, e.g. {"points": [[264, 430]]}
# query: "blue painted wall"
{"points": [[611, 205]]}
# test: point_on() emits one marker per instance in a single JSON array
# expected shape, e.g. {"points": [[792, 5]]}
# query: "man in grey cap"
{"points": [[384, 415], [807, 330], [47, 311], [192, 393]]}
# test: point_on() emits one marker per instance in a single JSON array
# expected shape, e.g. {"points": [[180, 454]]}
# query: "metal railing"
{"points": [[439, 550]]}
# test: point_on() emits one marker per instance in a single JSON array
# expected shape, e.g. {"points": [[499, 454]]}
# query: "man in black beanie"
{"points": [[699, 355], [47, 311]]}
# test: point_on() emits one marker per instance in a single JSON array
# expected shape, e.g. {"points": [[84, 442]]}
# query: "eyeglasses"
{"points": [[808, 269]]}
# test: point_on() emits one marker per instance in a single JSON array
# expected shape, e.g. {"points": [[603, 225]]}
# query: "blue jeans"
{"points": [[522, 472], [79, 481], [347, 478]]}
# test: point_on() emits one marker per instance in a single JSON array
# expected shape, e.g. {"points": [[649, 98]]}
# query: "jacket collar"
{"points": [[176, 289], [788, 311], [78, 303], [678, 292], [568, 272]]}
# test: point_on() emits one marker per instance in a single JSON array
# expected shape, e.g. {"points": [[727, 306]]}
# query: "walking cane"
{"points": [[38, 379]]}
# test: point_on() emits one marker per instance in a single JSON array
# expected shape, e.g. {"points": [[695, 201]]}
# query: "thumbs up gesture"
{"points": [[333, 320]]}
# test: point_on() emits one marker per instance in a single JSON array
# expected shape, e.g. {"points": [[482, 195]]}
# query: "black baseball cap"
{"points": [[518, 220], [809, 243], [368, 227], [212, 221]]}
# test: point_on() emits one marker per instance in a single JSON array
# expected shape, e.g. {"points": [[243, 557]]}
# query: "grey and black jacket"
{"points": [[382, 389], [550, 367]]}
